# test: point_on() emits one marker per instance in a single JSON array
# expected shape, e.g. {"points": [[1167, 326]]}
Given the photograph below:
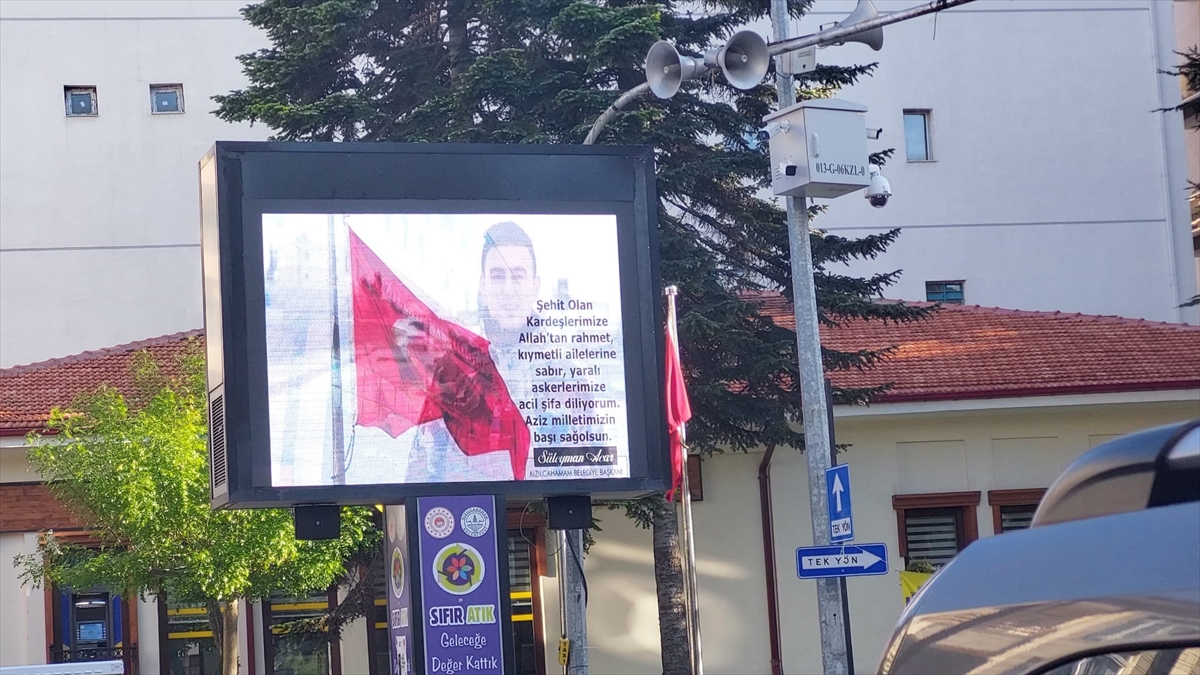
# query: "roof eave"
{"points": [[1018, 392]]}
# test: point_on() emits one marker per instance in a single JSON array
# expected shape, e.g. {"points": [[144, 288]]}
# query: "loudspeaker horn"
{"points": [[666, 69], [863, 11], [744, 59]]}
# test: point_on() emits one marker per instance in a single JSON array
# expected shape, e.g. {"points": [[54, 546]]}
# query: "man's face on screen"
{"points": [[509, 286]]}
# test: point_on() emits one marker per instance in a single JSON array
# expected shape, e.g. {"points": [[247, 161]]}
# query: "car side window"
{"points": [[1177, 661]]}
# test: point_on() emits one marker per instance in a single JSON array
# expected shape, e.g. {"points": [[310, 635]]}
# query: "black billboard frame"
{"points": [[240, 181]]}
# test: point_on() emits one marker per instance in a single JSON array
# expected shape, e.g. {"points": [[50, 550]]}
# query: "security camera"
{"points": [[879, 190]]}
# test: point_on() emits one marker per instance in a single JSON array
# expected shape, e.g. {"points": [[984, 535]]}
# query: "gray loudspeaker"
{"points": [[863, 11], [317, 521], [666, 69], [745, 59]]}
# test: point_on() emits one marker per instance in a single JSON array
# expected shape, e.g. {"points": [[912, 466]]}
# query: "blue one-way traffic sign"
{"points": [[837, 491], [861, 560]]}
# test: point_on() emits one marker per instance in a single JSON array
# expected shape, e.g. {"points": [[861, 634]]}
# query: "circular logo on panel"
{"points": [[390, 517], [475, 522], [397, 573], [458, 569], [439, 522]]}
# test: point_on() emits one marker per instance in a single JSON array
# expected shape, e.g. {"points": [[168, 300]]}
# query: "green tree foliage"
{"points": [[135, 469]]}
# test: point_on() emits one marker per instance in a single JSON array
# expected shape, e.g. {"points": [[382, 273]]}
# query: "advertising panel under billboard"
{"points": [[463, 579], [390, 320]]}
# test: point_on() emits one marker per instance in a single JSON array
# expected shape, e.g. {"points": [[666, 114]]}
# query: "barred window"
{"points": [[933, 535], [934, 527]]}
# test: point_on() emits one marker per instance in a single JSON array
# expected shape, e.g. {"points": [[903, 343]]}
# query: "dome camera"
{"points": [[879, 189]]}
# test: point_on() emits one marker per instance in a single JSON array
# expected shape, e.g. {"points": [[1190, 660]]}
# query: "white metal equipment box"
{"points": [[818, 149]]}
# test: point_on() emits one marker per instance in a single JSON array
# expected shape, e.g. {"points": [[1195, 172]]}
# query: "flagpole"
{"points": [[335, 358], [689, 546]]}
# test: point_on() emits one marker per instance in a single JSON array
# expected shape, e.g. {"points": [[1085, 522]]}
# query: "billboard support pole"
{"points": [[575, 608]]}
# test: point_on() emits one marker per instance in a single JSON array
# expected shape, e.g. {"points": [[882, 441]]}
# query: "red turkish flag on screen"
{"points": [[679, 410], [414, 367]]}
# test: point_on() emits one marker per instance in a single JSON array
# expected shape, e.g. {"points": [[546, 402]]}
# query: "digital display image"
{"points": [[92, 631], [434, 348]]}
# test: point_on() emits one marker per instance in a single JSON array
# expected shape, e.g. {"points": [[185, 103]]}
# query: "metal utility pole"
{"points": [[575, 596], [812, 387], [833, 461]]}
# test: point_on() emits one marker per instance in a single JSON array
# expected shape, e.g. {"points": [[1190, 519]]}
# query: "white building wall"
{"points": [[99, 216], [23, 636], [915, 453], [147, 644], [1046, 189]]}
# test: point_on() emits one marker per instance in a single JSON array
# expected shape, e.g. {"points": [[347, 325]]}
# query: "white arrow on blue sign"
{"points": [[860, 560], [841, 518]]}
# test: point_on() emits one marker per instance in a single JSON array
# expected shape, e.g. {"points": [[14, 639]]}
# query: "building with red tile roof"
{"points": [[28, 393], [961, 352], [972, 352]]}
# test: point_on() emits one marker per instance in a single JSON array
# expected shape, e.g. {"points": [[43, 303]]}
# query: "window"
{"points": [[916, 136], [695, 476], [80, 101], [948, 292], [297, 653], [166, 99], [186, 642], [1013, 509], [1181, 661], [521, 554], [377, 633], [935, 527]]}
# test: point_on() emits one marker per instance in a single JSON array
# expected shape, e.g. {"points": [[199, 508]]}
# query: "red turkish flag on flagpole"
{"points": [[415, 367], [679, 410]]}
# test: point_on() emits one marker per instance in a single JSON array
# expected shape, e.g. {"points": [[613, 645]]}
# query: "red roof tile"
{"points": [[961, 352], [28, 393], [971, 352]]}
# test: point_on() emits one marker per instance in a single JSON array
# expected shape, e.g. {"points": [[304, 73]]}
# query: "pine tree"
{"points": [[541, 71]]}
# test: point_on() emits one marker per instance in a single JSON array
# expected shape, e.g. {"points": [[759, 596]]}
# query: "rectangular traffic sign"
{"points": [[851, 560], [837, 492]]}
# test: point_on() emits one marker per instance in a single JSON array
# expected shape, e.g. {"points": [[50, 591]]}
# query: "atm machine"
{"points": [[89, 621]]}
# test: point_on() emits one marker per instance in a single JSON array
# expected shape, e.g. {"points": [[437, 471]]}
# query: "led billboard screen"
{"points": [[473, 347]]}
